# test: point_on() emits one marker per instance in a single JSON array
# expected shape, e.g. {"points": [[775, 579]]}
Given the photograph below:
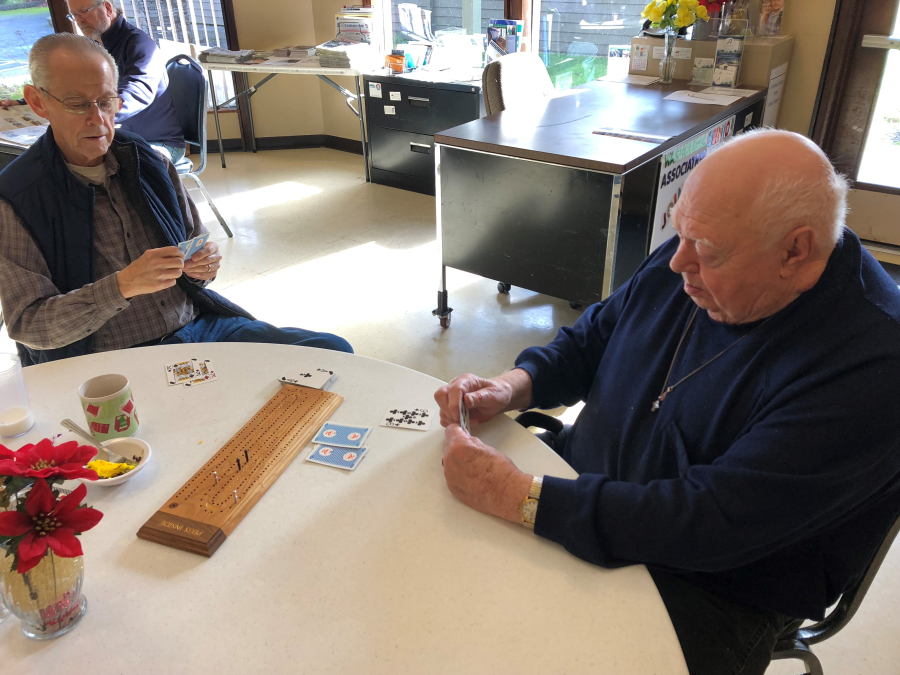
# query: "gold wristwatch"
{"points": [[529, 506]]}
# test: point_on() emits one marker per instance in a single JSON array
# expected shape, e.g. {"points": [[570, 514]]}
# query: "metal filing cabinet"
{"points": [[402, 115]]}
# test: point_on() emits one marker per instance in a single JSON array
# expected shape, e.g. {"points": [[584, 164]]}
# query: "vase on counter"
{"points": [[667, 63], [47, 598]]}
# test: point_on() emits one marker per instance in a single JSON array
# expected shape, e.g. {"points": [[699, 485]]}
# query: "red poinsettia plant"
{"points": [[42, 520]]}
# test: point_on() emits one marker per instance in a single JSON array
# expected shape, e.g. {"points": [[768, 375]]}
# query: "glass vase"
{"points": [[667, 63], [47, 598], [4, 613]]}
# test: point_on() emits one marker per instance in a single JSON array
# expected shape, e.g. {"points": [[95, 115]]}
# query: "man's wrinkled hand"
{"points": [[484, 400], [205, 263], [483, 478], [155, 270]]}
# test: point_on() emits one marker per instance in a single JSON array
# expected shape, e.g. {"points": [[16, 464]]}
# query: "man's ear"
{"points": [[33, 99], [797, 248]]}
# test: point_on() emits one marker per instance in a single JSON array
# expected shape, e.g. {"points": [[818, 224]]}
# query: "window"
{"points": [[447, 14], [20, 27], [576, 38], [175, 25]]}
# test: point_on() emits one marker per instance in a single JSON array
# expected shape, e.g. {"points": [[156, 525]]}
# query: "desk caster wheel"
{"points": [[503, 288], [576, 305], [445, 322]]}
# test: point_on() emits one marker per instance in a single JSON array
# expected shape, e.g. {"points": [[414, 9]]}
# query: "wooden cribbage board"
{"points": [[204, 512]]}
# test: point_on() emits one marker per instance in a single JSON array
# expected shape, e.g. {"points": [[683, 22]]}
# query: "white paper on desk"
{"points": [[704, 99], [292, 62], [740, 93], [642, 80]]}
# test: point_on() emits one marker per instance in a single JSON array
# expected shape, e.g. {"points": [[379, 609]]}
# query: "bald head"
{"points": [[771, 182], [758, 220]]}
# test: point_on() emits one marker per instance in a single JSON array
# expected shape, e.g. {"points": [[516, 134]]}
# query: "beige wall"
{"points": [[339, 120], [288, 105], [809, 21]]}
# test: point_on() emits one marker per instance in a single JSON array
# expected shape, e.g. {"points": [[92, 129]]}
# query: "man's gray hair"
{"points": [[39, 58], [820, 201]]}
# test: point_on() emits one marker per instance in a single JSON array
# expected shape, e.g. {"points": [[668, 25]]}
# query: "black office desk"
{"points": [[535, 199]]}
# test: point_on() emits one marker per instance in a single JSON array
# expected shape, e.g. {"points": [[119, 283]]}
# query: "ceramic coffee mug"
{"points": [[109, 407]]}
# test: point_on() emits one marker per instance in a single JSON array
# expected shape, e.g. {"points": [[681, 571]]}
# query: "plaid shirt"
{"points": [[38, 316]]}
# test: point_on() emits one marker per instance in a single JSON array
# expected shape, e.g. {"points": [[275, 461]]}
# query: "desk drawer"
{"points": [[421, 110], [402, 152]]}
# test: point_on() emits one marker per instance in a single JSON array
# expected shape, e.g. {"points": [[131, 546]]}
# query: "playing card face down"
{"points": [[191, 246], [341, 458], [407, 418], [342, 435]]}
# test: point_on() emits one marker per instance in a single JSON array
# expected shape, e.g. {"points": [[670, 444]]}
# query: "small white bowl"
{"points": [[132, 449]]}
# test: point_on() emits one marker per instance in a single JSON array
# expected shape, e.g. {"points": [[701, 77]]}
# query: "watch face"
{"points": [[529, 510]]}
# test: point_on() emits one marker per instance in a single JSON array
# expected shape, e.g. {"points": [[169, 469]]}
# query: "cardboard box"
{"points": [[761, 56], [765, 63]]}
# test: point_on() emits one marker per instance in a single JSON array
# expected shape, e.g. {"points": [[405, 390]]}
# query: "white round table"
{"points": [[379, 570]]}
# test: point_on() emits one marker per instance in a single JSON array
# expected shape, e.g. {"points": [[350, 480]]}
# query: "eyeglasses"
{"points": [[73, 16], [78, 105]]}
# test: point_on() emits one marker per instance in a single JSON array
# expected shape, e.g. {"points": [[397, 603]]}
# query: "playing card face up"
{"points": [[179, 373], [342, 435], [407, 418], [191, 373], [191, 246], [203, 373], [341, 458], [315, 379], [463, 414]]}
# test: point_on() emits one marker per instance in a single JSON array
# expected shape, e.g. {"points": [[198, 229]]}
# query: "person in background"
{"points": [[740, 434], [147, 108], [90, 222]]}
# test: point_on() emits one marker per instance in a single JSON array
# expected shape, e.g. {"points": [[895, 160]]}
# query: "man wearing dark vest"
{"points": [[90, 221], [147, 108]]}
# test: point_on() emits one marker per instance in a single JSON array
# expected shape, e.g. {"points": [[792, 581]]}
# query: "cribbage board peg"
{"points": [[216, 477], [246, 456], [234, 494]]}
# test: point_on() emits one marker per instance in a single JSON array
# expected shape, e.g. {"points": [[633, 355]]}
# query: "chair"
{"points": [[794, 642], [514, 81], [188, 87]]}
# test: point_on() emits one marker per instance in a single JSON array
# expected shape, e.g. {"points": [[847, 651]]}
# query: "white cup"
{"points": [[15, 408]]}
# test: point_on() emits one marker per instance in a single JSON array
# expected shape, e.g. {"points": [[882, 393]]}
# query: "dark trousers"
{"points": [[717, 636], [215, 328]]}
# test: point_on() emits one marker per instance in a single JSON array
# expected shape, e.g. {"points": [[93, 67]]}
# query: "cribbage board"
{"points": [[210, 505]]}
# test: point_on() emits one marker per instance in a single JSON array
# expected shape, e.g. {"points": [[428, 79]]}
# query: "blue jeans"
{"points": [[216, 328]]}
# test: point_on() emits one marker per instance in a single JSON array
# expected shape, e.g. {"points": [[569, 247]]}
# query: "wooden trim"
{"points": [[850, 80], [240, 79], [883, 252], [520, 10], [58, 11], [872, 187]]}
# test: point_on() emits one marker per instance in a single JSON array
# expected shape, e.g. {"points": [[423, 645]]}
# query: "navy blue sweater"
{"points": [[147, 108], [768, 477]]}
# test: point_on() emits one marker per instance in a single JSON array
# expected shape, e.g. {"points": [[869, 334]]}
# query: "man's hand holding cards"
{"points": [[201, 257]]}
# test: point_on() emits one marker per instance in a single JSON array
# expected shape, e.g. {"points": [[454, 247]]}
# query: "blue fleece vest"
{"points": [[57, 210]]}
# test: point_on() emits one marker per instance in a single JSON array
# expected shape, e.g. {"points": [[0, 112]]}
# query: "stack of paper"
{"points": [[220, 55], [20, 126], [344, 54]]}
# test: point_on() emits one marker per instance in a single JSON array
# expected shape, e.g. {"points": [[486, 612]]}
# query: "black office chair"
{"points": [[794, 641], [187, 84]]}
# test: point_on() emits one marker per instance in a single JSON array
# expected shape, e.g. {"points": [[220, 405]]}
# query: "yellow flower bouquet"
{"points": [[674, 14]]}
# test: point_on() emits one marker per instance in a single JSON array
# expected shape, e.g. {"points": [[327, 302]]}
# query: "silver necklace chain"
{"points": [[666, 390]]}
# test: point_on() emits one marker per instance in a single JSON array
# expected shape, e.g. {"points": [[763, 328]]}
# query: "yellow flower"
{"points": [[654, 12], [702, 13], [690, 4], [684, 17]]}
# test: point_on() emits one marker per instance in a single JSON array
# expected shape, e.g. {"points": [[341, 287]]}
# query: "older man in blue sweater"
{"points": [[740, 434]]}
